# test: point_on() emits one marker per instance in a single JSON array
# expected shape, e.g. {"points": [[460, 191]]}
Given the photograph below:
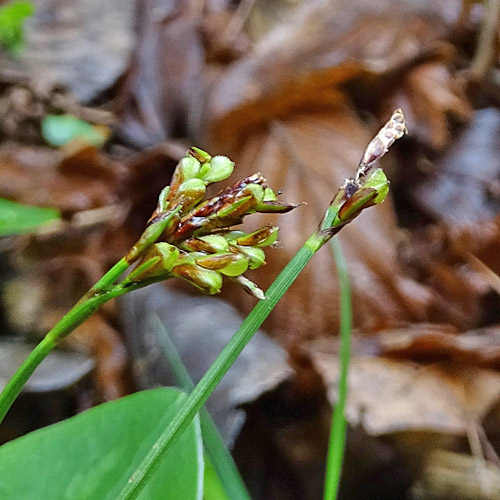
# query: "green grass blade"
{"points": [[338, 429], [219, 455]]}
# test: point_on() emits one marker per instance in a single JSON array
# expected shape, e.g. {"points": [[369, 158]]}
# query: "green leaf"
{"points": [[17, 219], [222, 479], [58, 130], [213, 487], [92, 455], [12, 18]]}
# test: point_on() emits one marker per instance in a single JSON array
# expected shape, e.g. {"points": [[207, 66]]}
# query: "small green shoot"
{"points": [[338, 429], [220, 464]]}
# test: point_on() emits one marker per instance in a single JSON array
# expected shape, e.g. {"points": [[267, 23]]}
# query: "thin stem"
{"points": [[224, 361], [66, 325], [336, 443], [100, 293], [215, 448]]}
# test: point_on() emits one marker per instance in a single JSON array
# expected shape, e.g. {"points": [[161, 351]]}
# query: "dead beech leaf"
{"points": [[308, 156], [307, 63], [444, 258], [74, 181], [283, 110], [463, 187], [435, 343], [59, 371], [83, 44], [267, 14], [433, 96], [387, 395], [458, 476]]}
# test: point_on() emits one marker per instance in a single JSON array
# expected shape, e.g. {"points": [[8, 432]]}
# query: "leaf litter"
{"points": [[295, 90]]}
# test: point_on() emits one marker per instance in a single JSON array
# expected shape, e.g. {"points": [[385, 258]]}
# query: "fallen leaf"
{"points": [[458, 476], [308, 63], [433, 99], [308, 156], [463, 185], [161, 94], [83, 45], [60, 370], [432, 343], [78, 180], [387, 396]]}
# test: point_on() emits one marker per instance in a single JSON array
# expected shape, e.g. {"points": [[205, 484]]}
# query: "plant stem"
{"points": [[100, 293], [336, 442], [220, 457], [74, 318], [225, 360]]}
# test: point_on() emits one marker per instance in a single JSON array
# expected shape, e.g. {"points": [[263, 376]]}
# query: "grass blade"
{"points": [[219, 455], [338, 429]]}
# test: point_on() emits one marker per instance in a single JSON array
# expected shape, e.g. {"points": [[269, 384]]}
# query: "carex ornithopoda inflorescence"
{"points": [[199, 244]]}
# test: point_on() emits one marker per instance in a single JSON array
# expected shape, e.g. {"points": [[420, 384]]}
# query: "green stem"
{"points": [[66, 325], [220, 457], [100, 293], [224, 361], [336, 443], [107, 281], [74, 318]]}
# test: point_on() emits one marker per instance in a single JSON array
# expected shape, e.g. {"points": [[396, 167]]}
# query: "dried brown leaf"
{"points": [[308, 63], [432, 97], [387, 395], [463, 187], [160, 96]]}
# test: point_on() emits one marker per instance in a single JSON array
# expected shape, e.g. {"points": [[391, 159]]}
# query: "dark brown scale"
{"points": [[350, 189]]}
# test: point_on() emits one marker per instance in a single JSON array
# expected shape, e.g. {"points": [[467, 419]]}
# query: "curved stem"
{"points": [[66, 325], [100, 293], [74, 318]]}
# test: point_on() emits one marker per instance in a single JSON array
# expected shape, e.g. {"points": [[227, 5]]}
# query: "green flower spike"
{"points": [[198, 244]]}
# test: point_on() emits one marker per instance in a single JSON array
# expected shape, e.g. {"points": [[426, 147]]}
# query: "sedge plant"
{"points": [[369, 187], [193, 239]]}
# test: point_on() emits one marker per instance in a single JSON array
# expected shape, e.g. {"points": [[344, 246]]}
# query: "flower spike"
{"points": [[199, 244]]}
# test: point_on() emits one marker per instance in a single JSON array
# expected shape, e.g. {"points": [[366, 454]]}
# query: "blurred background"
{"points": [[99, 100]]}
